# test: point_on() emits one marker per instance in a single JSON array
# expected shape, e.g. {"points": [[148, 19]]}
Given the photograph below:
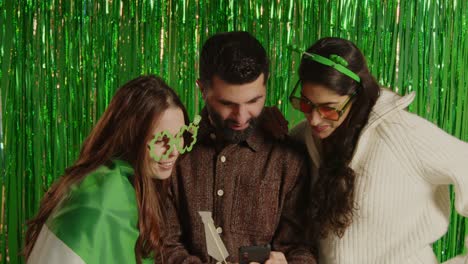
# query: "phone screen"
{"points": [[258, 254]]}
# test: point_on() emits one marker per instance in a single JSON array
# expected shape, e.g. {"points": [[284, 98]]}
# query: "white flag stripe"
{"points": [[214, 244], [49, 249]]}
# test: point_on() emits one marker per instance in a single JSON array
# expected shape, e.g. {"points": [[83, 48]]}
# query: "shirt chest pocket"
{"points": [[256, 208]]}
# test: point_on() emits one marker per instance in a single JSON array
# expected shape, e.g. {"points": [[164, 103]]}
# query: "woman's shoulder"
{"points": [[408, 130], [403, 119], [387, 109], [105, 193], [115, 172], [102, 205], [108, 187]]}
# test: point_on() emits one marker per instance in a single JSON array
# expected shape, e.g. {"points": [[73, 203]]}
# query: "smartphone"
{"points": [[258, 254]]}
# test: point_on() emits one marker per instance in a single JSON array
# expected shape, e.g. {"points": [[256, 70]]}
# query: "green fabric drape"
{"points": [[61, 62]]}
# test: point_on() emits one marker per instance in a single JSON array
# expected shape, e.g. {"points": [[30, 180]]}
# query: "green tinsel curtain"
{"points": [[61, 61]]}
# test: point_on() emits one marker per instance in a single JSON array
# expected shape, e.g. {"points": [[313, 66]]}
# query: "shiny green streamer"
{"points": [[61, 62]]}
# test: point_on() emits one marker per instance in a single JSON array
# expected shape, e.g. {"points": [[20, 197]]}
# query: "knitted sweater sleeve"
{"points": [[443, 160]]}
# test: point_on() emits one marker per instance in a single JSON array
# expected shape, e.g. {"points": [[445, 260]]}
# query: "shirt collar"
{"points": [[207, 133]]}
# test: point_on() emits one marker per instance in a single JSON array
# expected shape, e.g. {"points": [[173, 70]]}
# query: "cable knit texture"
{"points": [[404, 166]]}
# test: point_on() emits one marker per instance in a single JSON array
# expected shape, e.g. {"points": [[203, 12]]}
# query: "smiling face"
{"points": [[321, 95], [171, 120], [233, 108]]}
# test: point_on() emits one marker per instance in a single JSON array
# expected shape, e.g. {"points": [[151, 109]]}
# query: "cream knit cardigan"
{"points": [[404, 166]]}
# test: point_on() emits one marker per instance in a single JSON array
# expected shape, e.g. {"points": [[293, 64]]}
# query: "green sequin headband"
{"points": [[335, 61], [177, 141]]}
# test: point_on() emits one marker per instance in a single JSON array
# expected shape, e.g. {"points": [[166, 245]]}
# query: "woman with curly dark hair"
{"points": [[107, 207], [381, 178]]}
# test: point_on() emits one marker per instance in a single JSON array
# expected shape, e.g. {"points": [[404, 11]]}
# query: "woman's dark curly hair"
{"points": [[332, 195]]}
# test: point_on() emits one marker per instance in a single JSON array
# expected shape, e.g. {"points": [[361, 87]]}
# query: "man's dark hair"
{"points": [[235, 57]]}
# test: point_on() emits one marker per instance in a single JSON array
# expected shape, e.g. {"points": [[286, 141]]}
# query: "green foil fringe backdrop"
{"points": [[61, 61]]}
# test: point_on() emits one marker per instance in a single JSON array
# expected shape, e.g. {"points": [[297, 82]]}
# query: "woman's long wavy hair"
{"points": [[121, 133], [332, 195]]}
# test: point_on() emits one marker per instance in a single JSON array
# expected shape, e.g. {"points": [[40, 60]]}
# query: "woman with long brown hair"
{"points": [[381, 178], [107, 207]]}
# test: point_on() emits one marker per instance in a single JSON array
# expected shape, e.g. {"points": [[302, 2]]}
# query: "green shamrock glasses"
{"points": [[164, 143]]}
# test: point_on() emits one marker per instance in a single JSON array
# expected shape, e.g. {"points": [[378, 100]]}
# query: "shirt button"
{"points": [[220, 192], [219, 230], [223, 159], [212, 136]]}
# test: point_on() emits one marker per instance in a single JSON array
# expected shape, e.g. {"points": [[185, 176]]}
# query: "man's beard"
{"points": [[223, 127]]}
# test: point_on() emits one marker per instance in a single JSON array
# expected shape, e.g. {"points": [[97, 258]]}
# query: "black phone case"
{"points": [[249, 254]]}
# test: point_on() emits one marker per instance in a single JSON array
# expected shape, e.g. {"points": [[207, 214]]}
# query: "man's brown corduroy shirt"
{"points": [[253, 190]]}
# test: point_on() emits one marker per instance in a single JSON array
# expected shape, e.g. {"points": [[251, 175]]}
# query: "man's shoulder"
{"points": [[298, 132], [272, 124], [290, 148], [274, 129]]}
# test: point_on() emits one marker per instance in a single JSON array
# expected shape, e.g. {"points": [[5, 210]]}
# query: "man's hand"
{"points": [[275, 258]]}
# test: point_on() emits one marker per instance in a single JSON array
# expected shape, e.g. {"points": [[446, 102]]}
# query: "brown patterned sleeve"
{"points": [[290, 235], [174, 250]]}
